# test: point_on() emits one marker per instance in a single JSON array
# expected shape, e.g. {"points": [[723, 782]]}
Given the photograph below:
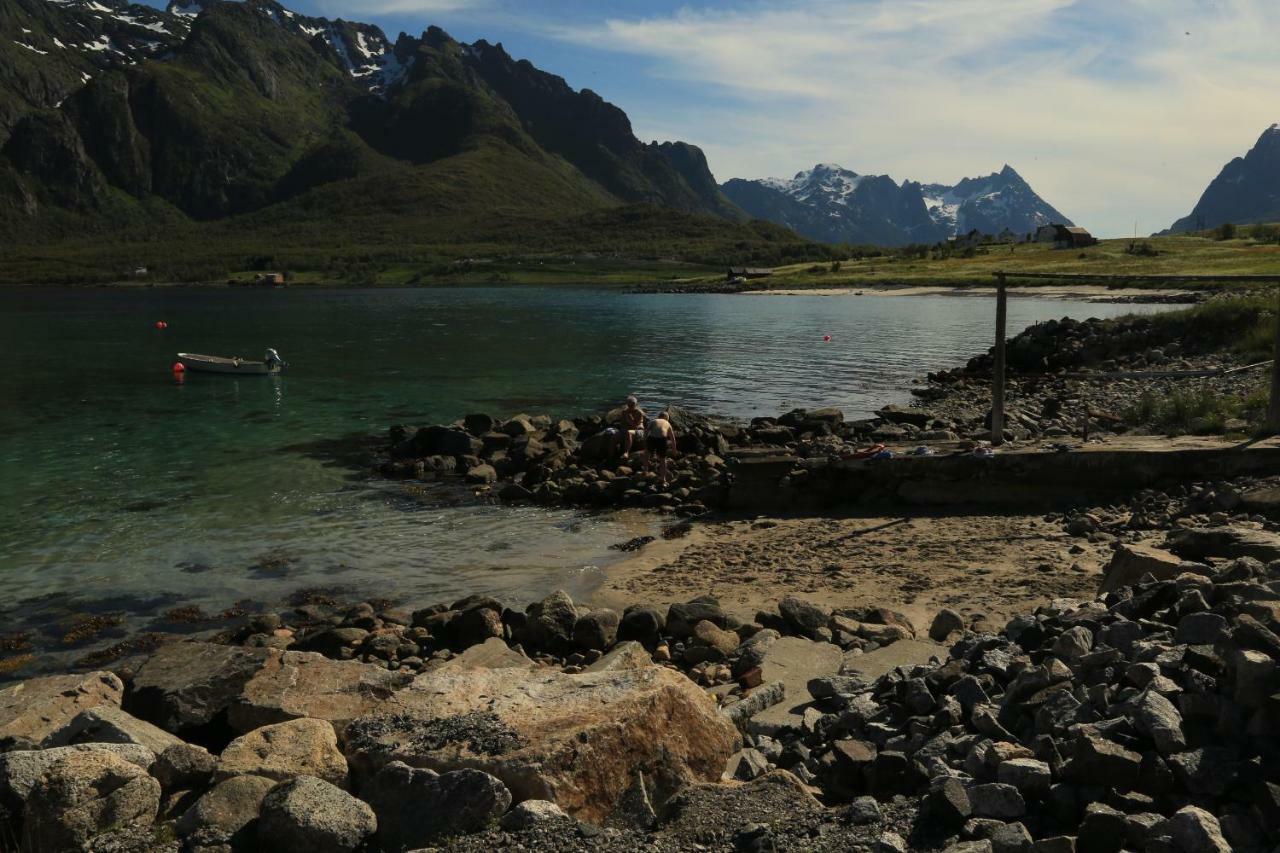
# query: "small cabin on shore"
{"points": [[1065, 236], [269, 279], [749, 272]]}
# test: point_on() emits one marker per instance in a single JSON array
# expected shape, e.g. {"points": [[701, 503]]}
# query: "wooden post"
{"points": [[1273, 404], [997, 368]]}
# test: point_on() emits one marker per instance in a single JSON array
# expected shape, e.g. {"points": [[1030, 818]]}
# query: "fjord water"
{"points": [[123, 490]]}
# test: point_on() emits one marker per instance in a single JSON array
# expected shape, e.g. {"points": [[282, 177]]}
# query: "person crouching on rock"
{"points": [[659, 441], [632, 420]]}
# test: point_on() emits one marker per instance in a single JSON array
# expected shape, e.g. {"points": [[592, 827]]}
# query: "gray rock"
{"points": [[863, 811], [745, 765], [835, 685], [308, 815], [764, 696], [1055, 844], [228, 808], [1073, 643], [32, 710], [804, 617], [1157, 716], [20, 770], [596, 630], [184, 767], [85, 794], [1103, 830], [1028, 775], [946, 623], [1098, 761], [109, 724], [416, 807], [184, 685], [1195, 830], [1010, 838], [682, 617], [551, 621], [302, 747], [997, 800], [531, 813], [641, 623], [1200, 629], [948, 802]]}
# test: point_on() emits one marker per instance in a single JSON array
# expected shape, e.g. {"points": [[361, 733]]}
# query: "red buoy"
{"points": [[826, 337], [179, 367], [161, 324]]}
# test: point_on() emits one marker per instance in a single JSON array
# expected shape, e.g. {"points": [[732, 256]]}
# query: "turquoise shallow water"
{"points": [[122, 490]]}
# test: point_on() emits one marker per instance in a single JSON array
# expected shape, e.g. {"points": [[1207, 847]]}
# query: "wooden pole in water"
{"points": [[997, 369], [1273, 404]]}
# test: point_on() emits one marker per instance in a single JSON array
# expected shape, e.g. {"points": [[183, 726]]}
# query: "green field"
{"points": [[1255, 252]]}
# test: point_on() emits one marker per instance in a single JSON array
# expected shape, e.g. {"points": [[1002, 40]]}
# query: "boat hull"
{"points": [[230, 366]]}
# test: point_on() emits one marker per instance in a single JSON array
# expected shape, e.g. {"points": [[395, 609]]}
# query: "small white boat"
{"points": [[271, 363]]}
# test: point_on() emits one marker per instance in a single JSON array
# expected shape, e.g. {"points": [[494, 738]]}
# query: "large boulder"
{"points": [[21, 769], [550, 622], [1197, 543], [229, 808], [308, 815], [109, 724], [188, 685], [441, 441], [83, 795], [290, 685], [416, 807], [303, 747], [32, 710], [576, 740], [1131, 562]]}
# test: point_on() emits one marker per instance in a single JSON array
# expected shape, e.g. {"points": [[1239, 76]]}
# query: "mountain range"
{"points": [[1247, 190], [254, 118], [835, 205]]}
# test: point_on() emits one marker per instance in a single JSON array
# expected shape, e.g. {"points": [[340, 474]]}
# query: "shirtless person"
{"points": [[660, 442], [632, 419]]}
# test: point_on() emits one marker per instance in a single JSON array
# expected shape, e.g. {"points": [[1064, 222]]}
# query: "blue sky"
{"points": [[1115, 111]]}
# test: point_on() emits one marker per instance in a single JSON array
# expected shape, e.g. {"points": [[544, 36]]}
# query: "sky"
{"points": [[1117, 112]]}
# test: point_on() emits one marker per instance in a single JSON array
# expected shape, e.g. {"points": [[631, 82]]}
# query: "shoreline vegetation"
{"points": [[705, 251], [939, 681]]}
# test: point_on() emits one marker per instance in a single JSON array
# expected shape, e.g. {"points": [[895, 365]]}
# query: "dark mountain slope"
{"points": [[1246, 191]]}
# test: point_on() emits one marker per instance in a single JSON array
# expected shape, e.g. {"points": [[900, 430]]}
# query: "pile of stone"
{"points": [[698, 637], [1145, 720], [578, 463]]}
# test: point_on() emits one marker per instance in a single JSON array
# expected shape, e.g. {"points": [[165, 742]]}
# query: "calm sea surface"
{"points": [[122, 490]]}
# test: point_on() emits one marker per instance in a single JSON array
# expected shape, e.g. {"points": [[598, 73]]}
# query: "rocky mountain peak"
{"points": [[1247, 190]]}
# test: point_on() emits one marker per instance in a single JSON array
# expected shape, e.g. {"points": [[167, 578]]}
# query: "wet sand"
{"points": [[915, 563]]}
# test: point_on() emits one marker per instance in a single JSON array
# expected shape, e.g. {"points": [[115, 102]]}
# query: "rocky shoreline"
{"points": [[1144, 719]]}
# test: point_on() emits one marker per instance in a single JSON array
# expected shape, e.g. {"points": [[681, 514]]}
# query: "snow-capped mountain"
{"points": [[990, 204], [834, 204], [1246, 190], [362, 49]]}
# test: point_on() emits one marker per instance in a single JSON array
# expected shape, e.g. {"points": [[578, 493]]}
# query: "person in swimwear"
{"points": [[660, 442], [632, 419]]}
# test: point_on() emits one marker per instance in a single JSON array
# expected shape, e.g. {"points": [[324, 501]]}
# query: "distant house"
{"points": [[1006, 236], [749, 272], [269, 279], [1065, 236], [140, 272], [973, 238]]}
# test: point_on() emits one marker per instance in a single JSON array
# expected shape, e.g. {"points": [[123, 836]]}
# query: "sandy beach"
{"points": [[916, 563]]}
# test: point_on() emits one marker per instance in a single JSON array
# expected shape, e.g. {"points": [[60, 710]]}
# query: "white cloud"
{"points": [[1112, 111]]}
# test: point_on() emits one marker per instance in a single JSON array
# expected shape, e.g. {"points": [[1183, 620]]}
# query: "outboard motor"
{"points": [[273, 360]]}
